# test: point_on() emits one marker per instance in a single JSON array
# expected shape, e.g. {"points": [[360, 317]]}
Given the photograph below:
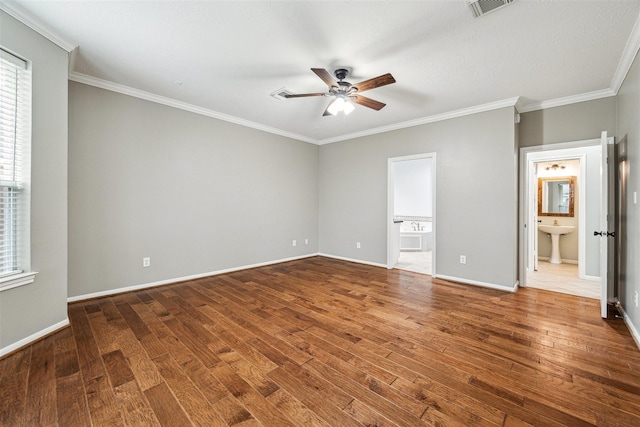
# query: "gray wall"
{"points": [[575, 122], [476, 195], [194, 193], [628, 103], [32, 308]]}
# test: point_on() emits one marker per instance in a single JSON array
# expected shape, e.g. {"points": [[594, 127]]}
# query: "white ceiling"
{"points": [[230, 55]]}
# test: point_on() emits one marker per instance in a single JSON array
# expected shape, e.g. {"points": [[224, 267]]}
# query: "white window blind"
{"points": [[15, 100]]}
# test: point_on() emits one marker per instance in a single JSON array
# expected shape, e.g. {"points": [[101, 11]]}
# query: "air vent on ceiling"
{"points": [[480, 7], [281, 93]]}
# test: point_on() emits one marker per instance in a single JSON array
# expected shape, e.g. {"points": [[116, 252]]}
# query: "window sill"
{"points": [[17, 280]]}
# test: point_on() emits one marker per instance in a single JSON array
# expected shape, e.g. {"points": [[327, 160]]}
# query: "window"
{"points": [[15, 118]]}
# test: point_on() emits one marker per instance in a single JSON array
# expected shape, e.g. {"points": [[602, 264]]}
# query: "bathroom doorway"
{"points": [[562, 198], [411, 213]]}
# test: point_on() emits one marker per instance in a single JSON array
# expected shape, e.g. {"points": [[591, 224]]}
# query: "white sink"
{"points": [[556, 231]]}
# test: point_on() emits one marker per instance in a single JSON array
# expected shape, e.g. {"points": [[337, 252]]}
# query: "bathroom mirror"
{"points": [[555, 196]]}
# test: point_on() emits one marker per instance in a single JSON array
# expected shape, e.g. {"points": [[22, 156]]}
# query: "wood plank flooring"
{"points": [[322, 342]]}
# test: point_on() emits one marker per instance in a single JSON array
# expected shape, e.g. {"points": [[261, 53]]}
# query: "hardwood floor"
{"points": [[322, 342]]}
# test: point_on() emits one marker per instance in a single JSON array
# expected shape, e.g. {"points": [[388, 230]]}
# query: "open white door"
{"points": [[534, 191], [607, 217]]}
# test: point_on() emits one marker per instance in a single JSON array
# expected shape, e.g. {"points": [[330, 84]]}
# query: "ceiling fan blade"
{"points": [[325, 76], [375, 82], [303, 95], [367, 102]]}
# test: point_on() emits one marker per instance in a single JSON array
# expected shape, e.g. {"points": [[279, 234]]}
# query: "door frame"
{"points": [[390, 204], [540, 153]]}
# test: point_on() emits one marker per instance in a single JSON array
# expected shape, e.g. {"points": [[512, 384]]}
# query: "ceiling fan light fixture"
{"points": [[340, 105], [348, 108], [335, 106]]}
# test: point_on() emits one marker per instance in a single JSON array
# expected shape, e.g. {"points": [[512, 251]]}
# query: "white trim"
{"points": [[136, 93], [628, 55], [73, 56], [126, 90], [33, 337], [36, 25], [478, 283], [541, 153], [567, 100], [357, 261], [17, 280], [180, 279], [634, 332], [510, 102]]}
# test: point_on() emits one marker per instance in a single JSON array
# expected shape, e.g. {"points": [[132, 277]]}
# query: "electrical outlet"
{"points": [[635, 297], [146, 262], [463, 259], [357, 245], [306, 241], [294, 243]]}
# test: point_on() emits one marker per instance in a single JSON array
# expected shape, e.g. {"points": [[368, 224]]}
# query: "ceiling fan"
{"points": [[343, 92]]}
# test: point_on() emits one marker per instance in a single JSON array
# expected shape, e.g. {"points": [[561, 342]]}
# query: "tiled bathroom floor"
{"points": [[418, 262], [562, 278], [552, 277]]}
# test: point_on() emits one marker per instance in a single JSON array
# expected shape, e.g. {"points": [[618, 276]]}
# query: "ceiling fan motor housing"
{"points": [[341, 73]]}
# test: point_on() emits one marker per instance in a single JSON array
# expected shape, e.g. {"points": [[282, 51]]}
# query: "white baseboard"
{"points": [[180, 279], [33, 337], [566, 261], [358, 261], [634, 332], [477, 283], [440, 276]]}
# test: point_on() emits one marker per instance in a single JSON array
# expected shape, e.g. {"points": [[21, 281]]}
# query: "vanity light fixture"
{"points": [[555, 166]]}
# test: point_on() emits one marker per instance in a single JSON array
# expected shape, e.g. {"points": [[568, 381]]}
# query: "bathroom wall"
{"points": [[413, 193], [568, 242]]}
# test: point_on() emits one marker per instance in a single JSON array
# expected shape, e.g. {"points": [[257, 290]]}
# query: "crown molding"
{"points": [[510, 102], [136, 93], [36, 25], [628, 55], [567, 100], [126, 90]]}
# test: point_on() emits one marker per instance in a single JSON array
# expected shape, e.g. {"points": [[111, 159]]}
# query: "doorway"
{"points": [[411, 213], [558, 184], [575, 269]]}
